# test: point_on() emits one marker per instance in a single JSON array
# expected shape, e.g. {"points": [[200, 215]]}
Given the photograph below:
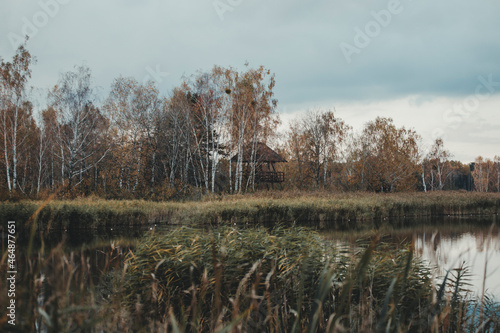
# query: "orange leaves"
{"points": [[486, 174], [389, 156]]}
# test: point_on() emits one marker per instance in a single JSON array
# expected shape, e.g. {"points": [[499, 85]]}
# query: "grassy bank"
{"points": [[339, 211]]}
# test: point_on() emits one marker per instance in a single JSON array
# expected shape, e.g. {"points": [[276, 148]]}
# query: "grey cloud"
{"points": [[430, 48]]}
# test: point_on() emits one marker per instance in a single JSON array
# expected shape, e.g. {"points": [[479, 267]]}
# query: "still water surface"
{"points": [[445, 243], [477, 250]]}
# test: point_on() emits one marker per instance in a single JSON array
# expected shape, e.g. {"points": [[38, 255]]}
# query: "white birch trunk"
{"points": [[136, 184], [423, 179], [40, 163], [6, 155], [14, 149], [153, 172]]}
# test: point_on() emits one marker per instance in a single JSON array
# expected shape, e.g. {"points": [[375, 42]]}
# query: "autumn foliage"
{"points": [[137, 143]]}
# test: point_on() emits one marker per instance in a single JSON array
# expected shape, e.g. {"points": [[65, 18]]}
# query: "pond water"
{"points": [[445, 243], [478, 251]]}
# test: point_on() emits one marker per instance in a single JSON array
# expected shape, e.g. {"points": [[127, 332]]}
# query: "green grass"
{"points": [[334, 211]]}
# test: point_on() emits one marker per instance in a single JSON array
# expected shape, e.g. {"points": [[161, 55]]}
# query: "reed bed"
{"points": [[60, 289], [290, 280], [334, 211], [240, 280], [285, 280]]}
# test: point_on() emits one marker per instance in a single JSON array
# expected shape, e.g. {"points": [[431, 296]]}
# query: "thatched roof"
{"points": [[263, 154]]}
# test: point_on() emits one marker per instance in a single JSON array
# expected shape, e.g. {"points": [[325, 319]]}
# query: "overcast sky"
{"points": [[430, 65]]}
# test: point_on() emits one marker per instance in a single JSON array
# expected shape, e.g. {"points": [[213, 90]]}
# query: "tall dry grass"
{"points": [[335, 211], [239, 280], [289, 280]]}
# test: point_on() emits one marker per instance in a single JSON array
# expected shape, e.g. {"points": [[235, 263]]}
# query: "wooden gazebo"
{"points": [[265, 158]]}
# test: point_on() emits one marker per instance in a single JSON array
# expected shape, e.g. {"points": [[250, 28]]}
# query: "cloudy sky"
{"points": [[430, 65]]}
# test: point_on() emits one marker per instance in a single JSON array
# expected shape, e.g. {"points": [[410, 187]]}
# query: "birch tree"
{"points": [[134, 110], [316, 142], [15, 110], [324, 134], [82, 124], [253, 114], [209, 119], [126, 124], [483, 174], [439, 165], [148, 105], [175, 138]]}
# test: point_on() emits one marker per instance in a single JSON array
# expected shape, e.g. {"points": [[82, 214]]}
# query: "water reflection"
{"points": [[446, 244], [478, 250]]}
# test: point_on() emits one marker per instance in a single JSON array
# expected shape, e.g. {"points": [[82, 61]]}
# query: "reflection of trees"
{"points": [[440, 238], [475, 247], [482, 239]]}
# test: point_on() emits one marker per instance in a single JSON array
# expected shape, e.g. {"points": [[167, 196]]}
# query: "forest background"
{"points": [[137, 143]]}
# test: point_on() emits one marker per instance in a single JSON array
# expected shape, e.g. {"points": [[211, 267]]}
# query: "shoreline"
{"points": [[345, 211]]}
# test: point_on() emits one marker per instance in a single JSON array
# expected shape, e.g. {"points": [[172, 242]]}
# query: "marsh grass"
{"points": [[325, 210], [60, 289], [289, 280], [238, 273], [239, 280]]}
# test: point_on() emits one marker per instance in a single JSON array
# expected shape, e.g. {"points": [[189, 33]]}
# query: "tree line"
{"points": [[324, 152], [137, 143]]}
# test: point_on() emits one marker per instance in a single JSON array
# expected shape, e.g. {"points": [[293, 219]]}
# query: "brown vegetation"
{"points": [[346, 211], [204, 138], [238, 280]]}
